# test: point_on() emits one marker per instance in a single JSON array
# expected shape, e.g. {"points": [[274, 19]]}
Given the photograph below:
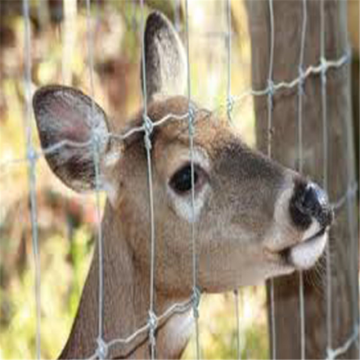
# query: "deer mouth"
{"points": [[304, 255]]}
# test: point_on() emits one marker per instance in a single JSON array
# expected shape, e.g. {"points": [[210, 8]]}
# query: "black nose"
{"points": [[310, 202]]}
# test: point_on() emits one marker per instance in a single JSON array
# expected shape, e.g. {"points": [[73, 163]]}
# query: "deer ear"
{"points": [[68, 118], [165, 59]]}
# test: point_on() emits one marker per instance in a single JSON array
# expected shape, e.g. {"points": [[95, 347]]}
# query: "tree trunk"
{"points": [[288, 17]]}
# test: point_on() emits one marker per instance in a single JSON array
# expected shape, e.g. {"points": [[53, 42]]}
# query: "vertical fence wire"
{"points": [[95, 142], [300, 155], [325, 169], [196, 292], [32, 158], [229, 116], [133, 15], [237, 316], [228, 46], [177, 14], [269, 151], [271, 89], [148, 125], [352, 222]]}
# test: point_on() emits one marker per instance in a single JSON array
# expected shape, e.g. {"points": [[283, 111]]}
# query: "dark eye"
{"points": [[181, 180]]}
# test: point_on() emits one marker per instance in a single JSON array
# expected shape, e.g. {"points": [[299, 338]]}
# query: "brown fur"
{"points": [[235, 179], [241, 209]]}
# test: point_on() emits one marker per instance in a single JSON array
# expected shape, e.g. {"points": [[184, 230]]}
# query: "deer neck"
{"points": [[126, 291]]}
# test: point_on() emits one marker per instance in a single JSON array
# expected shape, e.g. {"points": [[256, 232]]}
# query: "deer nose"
{"points": [[310, 202]]}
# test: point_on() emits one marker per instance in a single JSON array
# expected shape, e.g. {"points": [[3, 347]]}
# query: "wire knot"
{"points": [[153, 323], [230, 106], [98, 138], [32, 155], [324, 68], [330, 354], [271, 88], [348, 54], [271, 92], [102, 350], [191, 120], [301, 80], [148, 127], [196, 297]]}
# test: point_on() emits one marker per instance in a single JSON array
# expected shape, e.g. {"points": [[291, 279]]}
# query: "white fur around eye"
{"points": [[183, 204]]}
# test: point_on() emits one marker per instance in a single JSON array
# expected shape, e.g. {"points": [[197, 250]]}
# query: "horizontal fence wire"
{"points": [[270, 91], [177, 308], [350, 192], [335, 353], [325, 66]]}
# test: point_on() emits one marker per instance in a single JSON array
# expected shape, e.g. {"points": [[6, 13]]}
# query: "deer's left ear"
{"points": [[165, 59], [68, 118]]}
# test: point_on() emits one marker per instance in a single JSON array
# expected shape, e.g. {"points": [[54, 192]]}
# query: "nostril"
{"points": [[298, 212], [316, 203], [313, 200], [310, 201]]}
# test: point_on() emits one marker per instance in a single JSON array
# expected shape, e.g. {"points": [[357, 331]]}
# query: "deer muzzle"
{"points": [[310, 211]]}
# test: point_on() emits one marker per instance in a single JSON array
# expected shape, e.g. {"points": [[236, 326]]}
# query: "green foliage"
{"points": [[219, 335], [61, 284]]}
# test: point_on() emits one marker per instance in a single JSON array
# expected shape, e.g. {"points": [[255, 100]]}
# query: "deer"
{"points": [[253, 218]]}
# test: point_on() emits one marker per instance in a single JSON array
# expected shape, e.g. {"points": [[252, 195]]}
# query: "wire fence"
{"points": [[154, 321]]}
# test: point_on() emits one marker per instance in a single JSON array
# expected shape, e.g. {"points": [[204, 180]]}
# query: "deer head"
{"points": [[254, 219]]}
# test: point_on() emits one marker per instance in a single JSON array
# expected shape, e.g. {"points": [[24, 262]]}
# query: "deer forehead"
{"points": [[170, 141]]}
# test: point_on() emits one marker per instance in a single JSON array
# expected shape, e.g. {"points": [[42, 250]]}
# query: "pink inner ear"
{"points": [[78, 134], [73, 125]]}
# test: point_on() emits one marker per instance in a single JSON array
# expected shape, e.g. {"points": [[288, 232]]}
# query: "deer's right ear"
{"points": [[165, 59], [67, 119]]}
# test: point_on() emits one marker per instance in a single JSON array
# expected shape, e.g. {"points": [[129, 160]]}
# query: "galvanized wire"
{"points": [[353, 222], [236, 99], [270, 94], [230, 107], [177, 19], [300, 150], [353, 225], [177, 308], [31, 158], [228, 46], [325, 169], [237, 318], [147, 127], [335, 353], [95, 142], [191, 125]]}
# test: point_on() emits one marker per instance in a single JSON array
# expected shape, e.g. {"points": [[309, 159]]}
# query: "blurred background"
{"points": [[67, 222]]}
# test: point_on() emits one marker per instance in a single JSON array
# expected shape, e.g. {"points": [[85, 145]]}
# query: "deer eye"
{"points": [[180, 182]]}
